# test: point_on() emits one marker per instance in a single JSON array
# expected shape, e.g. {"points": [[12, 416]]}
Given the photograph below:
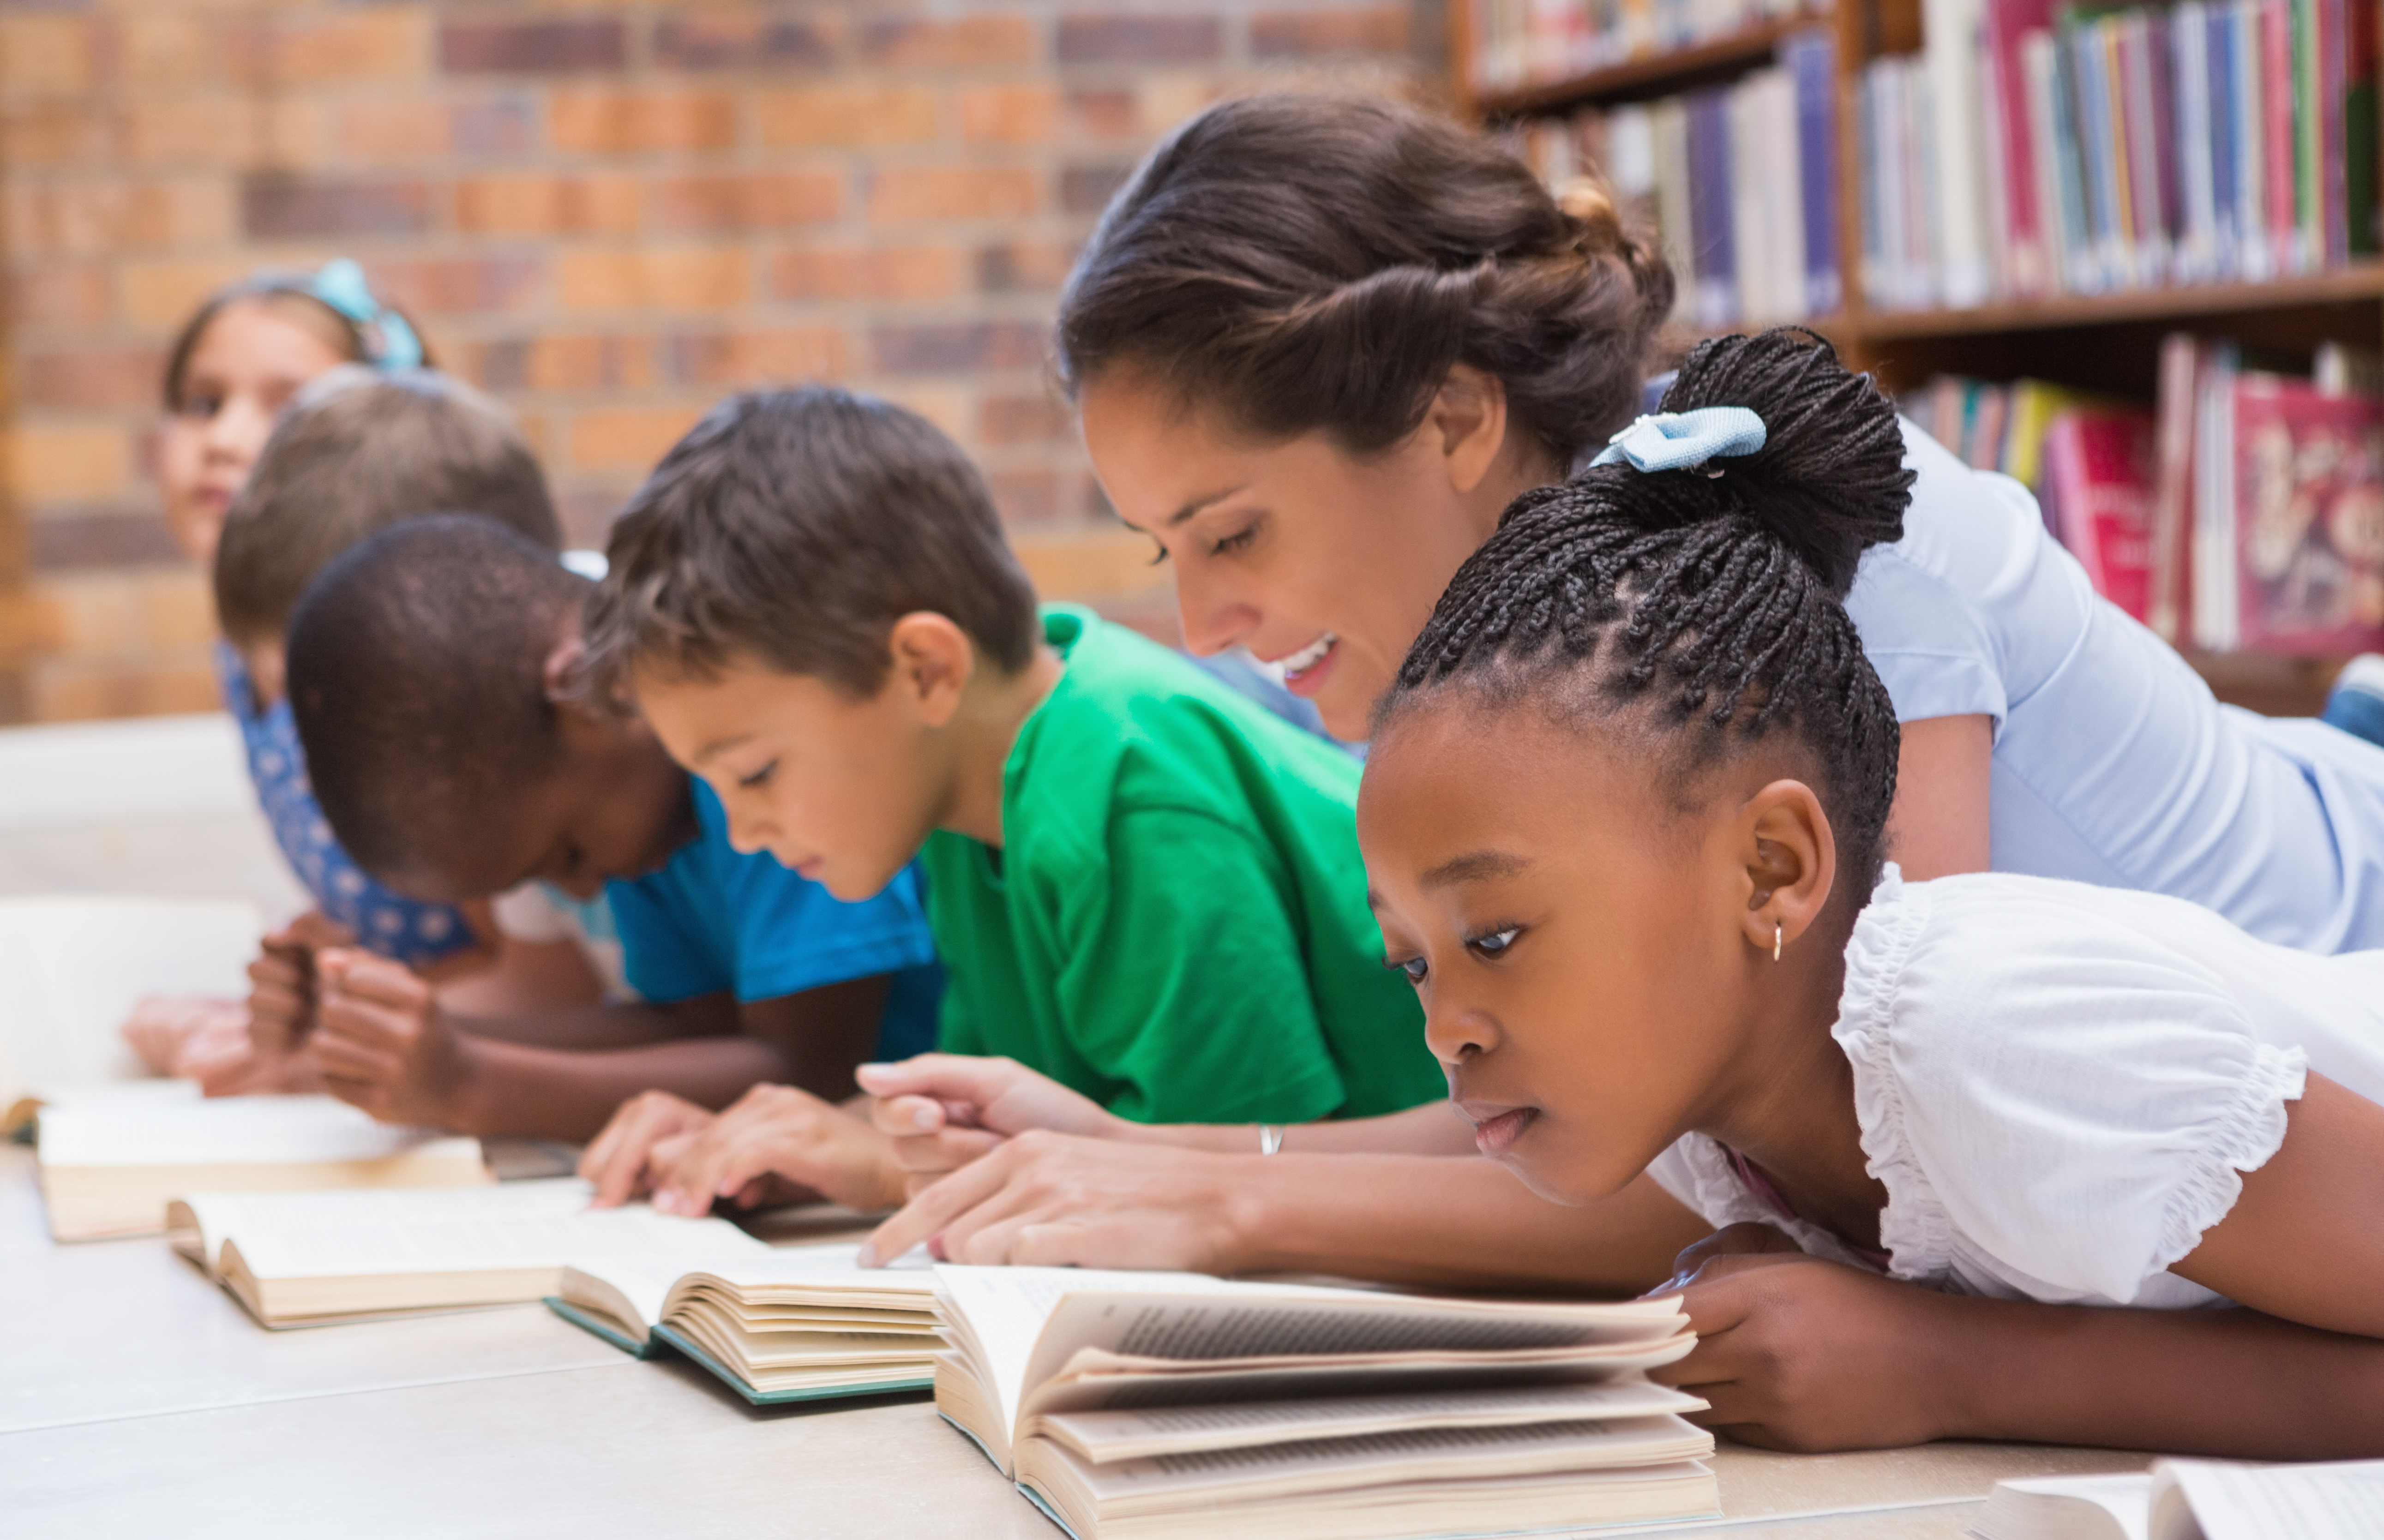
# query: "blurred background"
{"points": [[607, 215]]}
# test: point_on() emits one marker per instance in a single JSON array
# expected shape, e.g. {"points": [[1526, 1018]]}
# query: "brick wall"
{"points": [[606, 214]]}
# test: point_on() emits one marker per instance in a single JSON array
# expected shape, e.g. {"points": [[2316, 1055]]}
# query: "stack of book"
{"points": [[2032, 150], [2245, 513], [1518, 44], [1740, 180]]}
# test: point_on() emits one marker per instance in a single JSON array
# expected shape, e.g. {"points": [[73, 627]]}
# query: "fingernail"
{"points": [[867, 1255], [922, 1119]]}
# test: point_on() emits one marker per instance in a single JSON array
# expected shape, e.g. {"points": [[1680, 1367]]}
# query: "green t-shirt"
{"points": [[1176, 925]]}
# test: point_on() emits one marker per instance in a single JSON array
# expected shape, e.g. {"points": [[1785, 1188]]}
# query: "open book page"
{"points": [[1344, 1464], [2198, 1499], [227, 1131], [624, 1292], [829, 1276], [381, 1232], [1106, 1436], [2067, 1507], [1258, 1322]]}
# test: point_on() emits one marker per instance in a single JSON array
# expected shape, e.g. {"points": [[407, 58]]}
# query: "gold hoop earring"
{"points": [[1779, 934]]}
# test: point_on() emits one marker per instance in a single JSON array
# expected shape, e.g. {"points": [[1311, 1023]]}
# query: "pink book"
{"points": [[2276, 104], [2309, 517], [2099, 466], [2027, 229]]}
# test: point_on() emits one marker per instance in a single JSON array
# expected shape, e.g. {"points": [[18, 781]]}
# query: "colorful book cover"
{"points": [[1811, 60], [2277, 101], [2099, 464], [2089, 79], [2309, 517], [2003, 25]]}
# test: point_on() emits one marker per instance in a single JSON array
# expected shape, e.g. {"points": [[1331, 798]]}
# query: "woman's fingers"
{"points": [[927, 1214]]}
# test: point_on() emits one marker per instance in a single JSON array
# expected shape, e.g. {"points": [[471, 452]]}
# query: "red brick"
{"points": [[749, 200], [958, 44], [172, 48], [699, 277], [547, 205], [531, 47], [558, 363], [629, 438], [1301, 34], [1010, 114], [950, 347], [98, 218], [1087, 189], [732, 359], [99, 540], [217, 129], [866, 273], [277, 206], [431, 129], [1108, 113], [949, 193], [1140, 38], [90, 378], [450, 285], [1005, 420], [744, 43], [608, 122], [376, 44], [158, 296], [67, 461], [848, 115], [1025, 267]]}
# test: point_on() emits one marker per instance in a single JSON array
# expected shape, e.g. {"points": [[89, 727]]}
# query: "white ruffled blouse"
{"points": [[2060, 1085]]}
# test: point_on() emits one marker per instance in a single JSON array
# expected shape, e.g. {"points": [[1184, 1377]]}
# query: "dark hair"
{"points": [[1715, 599], [417, 682], [797, 527], [286, 292], [357, 451], [1304, 263]]}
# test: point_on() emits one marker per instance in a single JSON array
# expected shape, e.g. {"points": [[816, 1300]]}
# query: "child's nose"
{"points": [[1455, 1033]]}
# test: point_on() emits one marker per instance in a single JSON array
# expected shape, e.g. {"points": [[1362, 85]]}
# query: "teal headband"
{"points": [[391, 341]]}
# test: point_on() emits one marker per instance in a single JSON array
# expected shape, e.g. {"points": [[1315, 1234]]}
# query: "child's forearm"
{"points": [[526, 1091], [581, 1026], [1433, 1128], [2224, 1382]]}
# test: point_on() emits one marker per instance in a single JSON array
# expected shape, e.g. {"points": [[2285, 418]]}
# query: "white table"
{"points": [[137, 1400]]}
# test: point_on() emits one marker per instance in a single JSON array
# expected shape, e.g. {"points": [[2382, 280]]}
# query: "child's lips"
{"points": [[1495, 1136]]}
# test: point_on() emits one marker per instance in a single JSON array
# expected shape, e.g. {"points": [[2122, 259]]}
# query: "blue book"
{"points": [[2098, 145], [1709, 207], [2218, 57], [1811, 59]]}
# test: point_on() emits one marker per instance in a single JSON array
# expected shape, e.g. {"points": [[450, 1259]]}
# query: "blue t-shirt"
{"points": [[716, 920]]}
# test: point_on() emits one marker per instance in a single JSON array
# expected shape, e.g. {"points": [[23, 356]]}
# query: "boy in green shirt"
{"points": [[1140, 883]]}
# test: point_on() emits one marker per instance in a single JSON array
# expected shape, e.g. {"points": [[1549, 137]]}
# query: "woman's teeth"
{"points": [[1308, 656]]}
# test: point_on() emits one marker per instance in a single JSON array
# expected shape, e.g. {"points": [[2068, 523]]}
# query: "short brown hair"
{"points": [[1301, 264], [358, 451], [796, 528]]}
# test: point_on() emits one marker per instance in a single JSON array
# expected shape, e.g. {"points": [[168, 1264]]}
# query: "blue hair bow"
{"points": [[1684, 440], [342, 286]]}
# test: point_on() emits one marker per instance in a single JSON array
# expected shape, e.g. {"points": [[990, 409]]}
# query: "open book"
{"points": [[110, 1160], [1146, 1406], [2193, 1500], [298, 1259], [795, 1323]]}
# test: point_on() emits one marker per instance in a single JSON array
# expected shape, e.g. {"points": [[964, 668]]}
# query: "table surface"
{"points": [[139, 1400]]}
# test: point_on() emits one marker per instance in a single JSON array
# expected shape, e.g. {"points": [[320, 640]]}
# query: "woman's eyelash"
{"points": [[1234, 542], [1159, 556]]}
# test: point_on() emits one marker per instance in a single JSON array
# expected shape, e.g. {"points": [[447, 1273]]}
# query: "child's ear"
{"points": [[931, 661], [1467, 423], [1790, 858]]}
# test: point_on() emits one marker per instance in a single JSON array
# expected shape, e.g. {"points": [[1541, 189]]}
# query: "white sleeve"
{"points": [[528, 914], [2062, 1094]]}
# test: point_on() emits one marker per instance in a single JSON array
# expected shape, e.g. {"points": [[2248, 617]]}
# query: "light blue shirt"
{"points": [[2113, 763], [713, 921]]}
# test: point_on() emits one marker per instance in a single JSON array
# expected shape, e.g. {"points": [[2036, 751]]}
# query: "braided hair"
{"points": [[1716, 601]]}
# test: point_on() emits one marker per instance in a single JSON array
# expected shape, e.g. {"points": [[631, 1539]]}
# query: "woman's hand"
{"points": [[1798, 1352], [943, 1110], [1060, 1201]]}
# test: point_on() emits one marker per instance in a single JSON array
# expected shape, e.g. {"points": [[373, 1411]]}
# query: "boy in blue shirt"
{"points": [[430, 677]]}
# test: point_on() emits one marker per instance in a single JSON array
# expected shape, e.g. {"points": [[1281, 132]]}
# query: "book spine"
{"points": [[2170, 600], [2089, 82], [1751, 241], [1950, 54], [2309, 140], [1923, 256], [1711, 200], [2190, 75], [1870, 211], [2004, 24], [2277, 133], [1811, 58], [2363, 232], [2333, 88], [2160, 70], [2256, 254], [2112, 149]]}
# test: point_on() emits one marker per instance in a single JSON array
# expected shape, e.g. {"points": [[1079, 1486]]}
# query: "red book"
{"points": [[2099, 468], [2276, 134], [2027, 230], [2309, 517]]}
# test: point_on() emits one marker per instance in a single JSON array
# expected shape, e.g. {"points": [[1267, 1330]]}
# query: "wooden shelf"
{"points": [[2272, 685], [2364, 281], [1650, 74]]}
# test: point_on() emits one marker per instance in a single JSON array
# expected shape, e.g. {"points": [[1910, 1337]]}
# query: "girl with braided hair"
{"points": [[2035, 1158]]}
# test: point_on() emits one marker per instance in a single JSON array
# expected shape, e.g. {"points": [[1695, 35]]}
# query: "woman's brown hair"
{"points": [[288, 295], [1304, 263]]}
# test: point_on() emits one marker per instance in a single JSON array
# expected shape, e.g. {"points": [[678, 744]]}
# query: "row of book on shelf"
{"points": [[1518, 43], [2034, 148], [2245, 511], [1739, 181]]}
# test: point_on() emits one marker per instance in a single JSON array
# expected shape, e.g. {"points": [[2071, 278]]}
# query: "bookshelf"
{"points": [[2105, 342]]}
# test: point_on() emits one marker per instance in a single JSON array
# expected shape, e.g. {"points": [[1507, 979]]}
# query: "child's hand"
{"points": [[382, 1044], [943, 1110], [172, 1033], [1798, 1352], [282, 984], [620, 1159], [777, 1130]]}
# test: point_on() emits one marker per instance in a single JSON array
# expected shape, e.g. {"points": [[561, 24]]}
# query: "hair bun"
{"points": [[1830, 480]]}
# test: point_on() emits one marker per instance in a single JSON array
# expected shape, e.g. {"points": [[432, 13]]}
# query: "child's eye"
{"points": [[199, 406], [1494, 943], [1414, 967], [760, 777]]}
